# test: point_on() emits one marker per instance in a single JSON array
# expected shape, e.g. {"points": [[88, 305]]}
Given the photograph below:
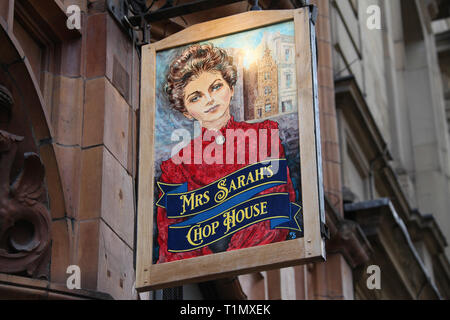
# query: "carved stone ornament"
{"points": [[25, 223]]}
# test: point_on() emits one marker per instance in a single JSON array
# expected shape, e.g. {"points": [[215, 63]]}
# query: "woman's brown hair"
{"points": [[190, 64]]}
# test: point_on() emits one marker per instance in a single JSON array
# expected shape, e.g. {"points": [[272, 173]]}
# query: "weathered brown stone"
{"points": [[31, 101], [87, 252], [328, 128], [61, 250], [323, 28], [91, 183], [119, 59], [115, 274], [117, 198], [300, 282], [107, 119], [274, 284], [96, 45], [324, 8], [253, 285], [333, 176], [68, 110], [326, 101], [53, 181], [71, 58], [47, 93], [331, 151], [94, 112], [325, 77], [324, 53], [121, 79], [69, 159], [116, 124]]}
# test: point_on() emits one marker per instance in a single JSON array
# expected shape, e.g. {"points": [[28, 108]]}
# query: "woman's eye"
{"points": [[194, 99], [217, 86]]}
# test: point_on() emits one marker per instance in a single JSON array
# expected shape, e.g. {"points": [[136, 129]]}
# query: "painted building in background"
{"points": [[266, 104], [284, 54]]}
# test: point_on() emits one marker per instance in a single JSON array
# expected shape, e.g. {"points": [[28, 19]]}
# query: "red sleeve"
{"points": [[288, 187], [171, 173], [260, 233]]}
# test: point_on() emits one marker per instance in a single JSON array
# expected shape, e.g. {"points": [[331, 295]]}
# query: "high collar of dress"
{"points": [[230, 124]]}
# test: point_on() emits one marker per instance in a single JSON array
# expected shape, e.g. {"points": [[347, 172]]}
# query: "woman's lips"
{"points": [[213, 108]]}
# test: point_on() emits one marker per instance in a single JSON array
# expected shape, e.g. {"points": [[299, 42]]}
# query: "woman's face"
{"points": [[207, 97]]}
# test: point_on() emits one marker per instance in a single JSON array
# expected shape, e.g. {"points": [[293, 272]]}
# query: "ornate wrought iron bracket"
{"points": [[121, 10], [255, 6], [135, 17]]}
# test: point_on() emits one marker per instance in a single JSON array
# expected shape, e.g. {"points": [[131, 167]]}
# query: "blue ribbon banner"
{"points": [[228, 205]]}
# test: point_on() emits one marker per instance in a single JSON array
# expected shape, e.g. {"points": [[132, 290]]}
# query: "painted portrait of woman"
{"points": [[200, 85], [229, 179]]}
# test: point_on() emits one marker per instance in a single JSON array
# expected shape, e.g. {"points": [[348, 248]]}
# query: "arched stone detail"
{"points": [[25, 219]]}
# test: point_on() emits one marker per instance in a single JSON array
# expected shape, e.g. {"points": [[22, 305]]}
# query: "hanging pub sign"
{"points": [[229, 178]]}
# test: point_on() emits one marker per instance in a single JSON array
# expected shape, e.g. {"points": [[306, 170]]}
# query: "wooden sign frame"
{"points": [[311, 247]]}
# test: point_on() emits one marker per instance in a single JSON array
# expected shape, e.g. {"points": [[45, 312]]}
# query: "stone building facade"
{"points": [[69, 121]]}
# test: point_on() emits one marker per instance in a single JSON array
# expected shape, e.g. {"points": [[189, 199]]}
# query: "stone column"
{"points": [[333, 278], [106, 208]]}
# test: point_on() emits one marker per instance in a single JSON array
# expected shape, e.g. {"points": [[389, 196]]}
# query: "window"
{"points": [[259, 113], [286, 106], [268, 107], [267, 76], [267, 90], [288, 80], [287, 54]]}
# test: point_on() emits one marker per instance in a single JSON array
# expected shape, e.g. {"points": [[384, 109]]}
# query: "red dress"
{"points": [[199, 175]]}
